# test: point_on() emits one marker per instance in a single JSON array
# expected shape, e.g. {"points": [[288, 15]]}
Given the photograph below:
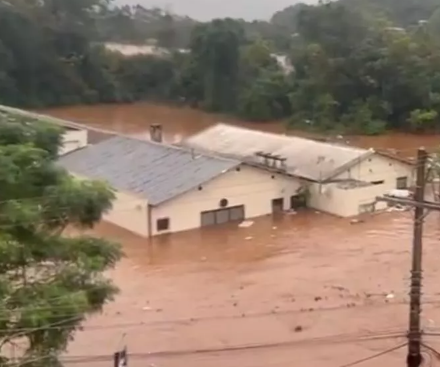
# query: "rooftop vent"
{"points": [[156, 133], [272, 160]]}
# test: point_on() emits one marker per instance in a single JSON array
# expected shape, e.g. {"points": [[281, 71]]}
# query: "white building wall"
{"points": [[73, 140], [130, 212], [252, 187], [377, 168], [332, 199]]}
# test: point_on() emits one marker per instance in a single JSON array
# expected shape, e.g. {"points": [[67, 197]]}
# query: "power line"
{"points": [[331, 339], [199, 319], [374, 356]]}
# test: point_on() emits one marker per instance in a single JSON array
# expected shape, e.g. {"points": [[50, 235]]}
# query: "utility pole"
{"points": [[414, 357], [120, 358]]}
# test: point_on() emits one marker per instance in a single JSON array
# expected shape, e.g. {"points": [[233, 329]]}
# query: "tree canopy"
{"points": [[49, 280], [357, 66]]}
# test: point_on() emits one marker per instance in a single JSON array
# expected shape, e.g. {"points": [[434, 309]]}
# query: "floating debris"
{"points": [[246, 224]]}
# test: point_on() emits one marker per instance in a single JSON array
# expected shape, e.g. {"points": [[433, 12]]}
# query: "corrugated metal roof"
{"points": [[305, 158], [155, 171]]}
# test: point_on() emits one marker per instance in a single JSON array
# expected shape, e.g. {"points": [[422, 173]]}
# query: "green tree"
{"points": [[215, 52], [371, 81], [264, 87], [266, 98], [49, 280], [423, 120]]}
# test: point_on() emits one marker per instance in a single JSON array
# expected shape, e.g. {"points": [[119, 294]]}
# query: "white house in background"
{"points": [[162, 189], [284, 62], [340, 180], [133, 50]]}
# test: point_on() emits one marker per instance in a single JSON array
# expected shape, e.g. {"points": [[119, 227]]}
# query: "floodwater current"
{"points": [[302, 289]]}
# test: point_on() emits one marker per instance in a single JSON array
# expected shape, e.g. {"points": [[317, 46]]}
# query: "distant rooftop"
{"points": [[152, 170]]}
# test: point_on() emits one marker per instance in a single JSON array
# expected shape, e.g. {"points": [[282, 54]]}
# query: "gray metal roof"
{"points": [[305, 158], [155, 171]]}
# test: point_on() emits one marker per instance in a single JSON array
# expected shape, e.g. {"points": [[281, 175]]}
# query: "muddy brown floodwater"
{"points": [[180, 122], [298, 290]]}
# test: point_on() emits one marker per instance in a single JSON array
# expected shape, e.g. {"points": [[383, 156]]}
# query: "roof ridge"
{"points": [[282, 136], [184, 149]]}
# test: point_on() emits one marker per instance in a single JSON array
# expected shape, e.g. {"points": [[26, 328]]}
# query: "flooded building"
{"points": [[339, 179], [163, 189], [74, 135]]}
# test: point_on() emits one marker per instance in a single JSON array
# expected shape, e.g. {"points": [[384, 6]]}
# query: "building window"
{"points": [[222, 216], [366, 208], [163, 224], [377, 182], [401, 183], [223, 203]]}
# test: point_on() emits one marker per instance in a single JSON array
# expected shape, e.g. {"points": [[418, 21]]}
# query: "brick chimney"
{"points": [[156, 133]]}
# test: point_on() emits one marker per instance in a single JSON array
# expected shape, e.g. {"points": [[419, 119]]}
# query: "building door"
{"points": [[277, 205], [297, 202], [221, 216]]}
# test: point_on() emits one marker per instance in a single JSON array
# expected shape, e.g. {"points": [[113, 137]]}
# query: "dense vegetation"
{"points": [[359, 65], [49, 281]]}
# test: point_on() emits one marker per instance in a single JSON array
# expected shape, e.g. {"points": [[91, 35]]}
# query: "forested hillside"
{"points": [[353, 69], [401, 13]]}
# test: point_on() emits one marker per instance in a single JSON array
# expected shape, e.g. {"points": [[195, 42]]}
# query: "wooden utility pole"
{"points": [[120, 358], [414, 358]]}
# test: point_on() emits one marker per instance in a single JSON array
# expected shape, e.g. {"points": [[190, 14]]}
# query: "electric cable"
{"points": [[374, 356], [312, 342], [185, 321], [211, 318]]}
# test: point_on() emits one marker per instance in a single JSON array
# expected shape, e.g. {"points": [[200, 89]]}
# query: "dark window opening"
{"points": [[277, 205], [401, 183], [297, 202], [367, 208], [223, 203], [222, 216], [163, 224], [377, 182]]}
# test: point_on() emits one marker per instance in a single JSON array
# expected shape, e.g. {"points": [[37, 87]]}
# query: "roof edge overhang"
{"points": [[337, 171], [161, 202]]}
